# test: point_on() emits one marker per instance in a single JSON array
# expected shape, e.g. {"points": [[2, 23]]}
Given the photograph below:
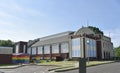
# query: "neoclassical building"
{"points": [[81, 43]]}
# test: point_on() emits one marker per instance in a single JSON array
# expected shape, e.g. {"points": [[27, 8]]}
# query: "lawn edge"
{"points": [[78, 68]]}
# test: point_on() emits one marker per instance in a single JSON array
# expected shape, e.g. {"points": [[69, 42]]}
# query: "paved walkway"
{"points": [[28, 69]]}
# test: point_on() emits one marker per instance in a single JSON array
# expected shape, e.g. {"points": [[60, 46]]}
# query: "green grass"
{"points": [[93, 63], [58, 63]]}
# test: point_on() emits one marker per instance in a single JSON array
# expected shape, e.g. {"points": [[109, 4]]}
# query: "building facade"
{"points": [[20, 47], [82, 43], [51, 47]]}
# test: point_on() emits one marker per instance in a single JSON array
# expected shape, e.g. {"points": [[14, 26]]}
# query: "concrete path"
{"points": [[28, 69]]}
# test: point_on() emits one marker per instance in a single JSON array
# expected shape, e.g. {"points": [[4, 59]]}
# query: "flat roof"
{"points": [[5, 47]]}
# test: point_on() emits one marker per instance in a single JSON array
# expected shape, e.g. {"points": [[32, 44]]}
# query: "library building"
{"points": [[83, 43]]}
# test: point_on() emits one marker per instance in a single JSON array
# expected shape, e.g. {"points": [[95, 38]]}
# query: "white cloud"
{"points": [[15, 7], [7, 19], [4, 14], [16, 35], [11, 25], [33, 12], [12, 14]]}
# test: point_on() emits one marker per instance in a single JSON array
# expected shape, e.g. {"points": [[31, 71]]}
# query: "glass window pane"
{"points": [[55, 48], [34, 51], [47, 49], [29, 50], [91, 47], [64, 48], [76, 51], [40, 51]]}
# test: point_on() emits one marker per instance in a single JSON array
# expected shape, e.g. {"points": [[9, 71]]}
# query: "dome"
{"points": [[84, 30]]}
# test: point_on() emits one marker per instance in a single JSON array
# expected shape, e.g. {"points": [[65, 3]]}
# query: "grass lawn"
{"points": [[60, 63]]}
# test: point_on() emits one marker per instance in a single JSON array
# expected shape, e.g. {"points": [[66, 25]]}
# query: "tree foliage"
{"points": [[96, 30], [6, 43], [117, 51]]}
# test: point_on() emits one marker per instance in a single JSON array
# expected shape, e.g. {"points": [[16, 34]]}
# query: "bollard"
{"points": [[82, 65]]}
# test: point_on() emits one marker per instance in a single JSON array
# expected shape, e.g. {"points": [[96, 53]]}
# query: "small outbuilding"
{"points": [[6, 55]]}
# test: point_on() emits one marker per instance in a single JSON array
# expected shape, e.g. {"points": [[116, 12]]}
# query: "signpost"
{"points": [[82, 65]]}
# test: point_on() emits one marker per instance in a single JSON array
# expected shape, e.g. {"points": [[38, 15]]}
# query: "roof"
{"points": [[6, 50], [56, 35], [56, 38], [2, 47], [31, 42], [21, 42]]}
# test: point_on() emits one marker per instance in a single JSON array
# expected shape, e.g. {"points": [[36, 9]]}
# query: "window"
{"points": [[94, 51], [88, 47], [91, 48], [76, 52], [40, 50], [34, 51], [17, 49], [29, 50], [64, 48], [55, 48], [24, 49], [47, 49]]}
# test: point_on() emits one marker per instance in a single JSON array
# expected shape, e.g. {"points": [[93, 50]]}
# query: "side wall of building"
{"points": [[107, 48], [50, 48], [5, 58]]}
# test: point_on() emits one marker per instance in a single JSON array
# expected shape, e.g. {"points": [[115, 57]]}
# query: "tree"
{"points": [[117, 52], [96, 30], [6, 43]]}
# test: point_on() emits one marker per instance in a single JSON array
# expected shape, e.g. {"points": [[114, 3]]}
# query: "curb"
{"points": [[13, 67], [24, 65], [66, 70], [59, 68], [100, 64]]}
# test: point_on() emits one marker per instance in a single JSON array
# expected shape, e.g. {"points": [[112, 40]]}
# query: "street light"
{"points": [[88, 47]]}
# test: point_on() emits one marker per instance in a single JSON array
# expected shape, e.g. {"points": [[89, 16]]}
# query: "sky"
{"points": [[23, 20]]}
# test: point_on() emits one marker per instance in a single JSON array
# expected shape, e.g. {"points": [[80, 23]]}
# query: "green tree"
{"points": [[96, 30], [117, 52], [6, 43]]}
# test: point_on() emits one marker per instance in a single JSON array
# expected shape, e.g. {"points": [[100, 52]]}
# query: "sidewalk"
{"points": [[11, 67]]}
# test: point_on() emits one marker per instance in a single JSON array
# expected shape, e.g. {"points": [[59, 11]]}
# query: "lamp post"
{"points": [[88, 47]]}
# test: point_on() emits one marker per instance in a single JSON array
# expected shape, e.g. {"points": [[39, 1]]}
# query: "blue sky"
{"points": [[30, 19]]}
